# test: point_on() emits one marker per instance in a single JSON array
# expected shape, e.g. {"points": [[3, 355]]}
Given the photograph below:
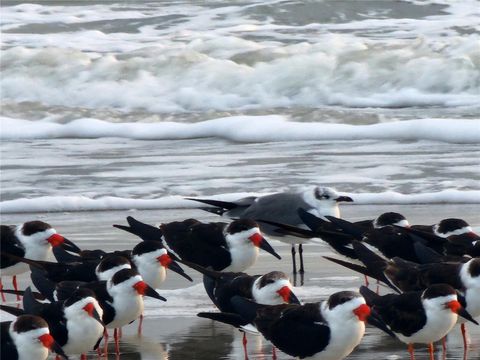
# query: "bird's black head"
{"points": [[79, 295], [446, 226], [389, 218], [271, 277], [474, 267], [341, 297], [146, 247], [33, 227], [112, 261], [438, 290], [240, 225], [25, 323], [123, 275]]}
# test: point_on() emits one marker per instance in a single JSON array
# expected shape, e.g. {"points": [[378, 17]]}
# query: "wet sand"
{"points": [[171, 329]]}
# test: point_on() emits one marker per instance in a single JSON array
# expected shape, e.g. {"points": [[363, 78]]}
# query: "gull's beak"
{"points": [[344, 199]]}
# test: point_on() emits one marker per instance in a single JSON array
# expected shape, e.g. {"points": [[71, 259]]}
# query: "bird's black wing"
{"points": [[296, 330], [53, 314], [402, 313], [230, 285], [211, 233], [145, 231], [8, 350], [199, 243], [11, 245]]}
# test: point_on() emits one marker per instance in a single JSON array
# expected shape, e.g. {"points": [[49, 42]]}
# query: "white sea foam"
{"points": [[247, 129], [184, 57], [84, 203]]}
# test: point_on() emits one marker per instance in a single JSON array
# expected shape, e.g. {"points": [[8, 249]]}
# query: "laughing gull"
{"points": [[283, 208]]}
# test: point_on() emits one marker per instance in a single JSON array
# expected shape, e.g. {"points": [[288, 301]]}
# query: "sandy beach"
{"points": [[172, 330]]}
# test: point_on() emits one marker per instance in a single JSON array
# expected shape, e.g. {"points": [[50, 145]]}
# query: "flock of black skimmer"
{"points": [[433, 273]]}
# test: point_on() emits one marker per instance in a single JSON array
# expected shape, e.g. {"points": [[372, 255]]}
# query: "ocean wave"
{"points": [[105, 203], [269, 128], [343, 72], [190, 56]]}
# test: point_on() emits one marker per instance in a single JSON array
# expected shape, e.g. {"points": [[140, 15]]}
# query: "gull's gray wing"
{"points": [[281, 207]]}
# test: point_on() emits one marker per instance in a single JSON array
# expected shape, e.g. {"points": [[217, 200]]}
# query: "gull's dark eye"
{"points": [[320, 195]]}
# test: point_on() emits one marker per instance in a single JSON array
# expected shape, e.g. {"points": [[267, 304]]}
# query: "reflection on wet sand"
{"points": [[204, 340]]}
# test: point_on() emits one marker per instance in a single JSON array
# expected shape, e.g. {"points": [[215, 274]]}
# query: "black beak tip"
{"points": [[151, 292], [466, 315], [293, 299], [97, 317], [176, 268], [264, 245], [58, 350], [70, 246], [375, 320], [185, 275]]}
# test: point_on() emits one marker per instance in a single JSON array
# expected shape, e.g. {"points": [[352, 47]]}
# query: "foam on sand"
{"points": [[268, 128], [83, 203]]}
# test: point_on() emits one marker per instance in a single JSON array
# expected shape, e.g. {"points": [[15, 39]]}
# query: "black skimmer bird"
{"points": [[321, 225], [32, 240], [451, 237], [282, 208], [272, 288], [330, 329], [390, 240], [218, 246], [75, 323], [450, 227], [419, 317], [152, 260], [27, 338], [149, 258], [461, 239], [334, 235], [82, 270], [121, 297], [404, 275]]}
